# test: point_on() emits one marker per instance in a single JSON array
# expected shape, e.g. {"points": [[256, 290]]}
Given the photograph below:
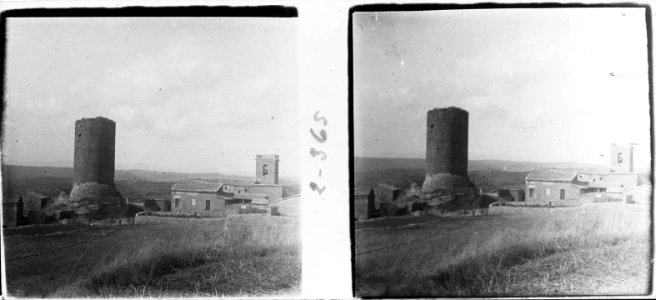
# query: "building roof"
{"points": [[197, 185], [260, 201], [249, 196], [362, 191], [642, 186], [267, 156], [552, 175], [35, 195], [388, 186], [232, 181]]}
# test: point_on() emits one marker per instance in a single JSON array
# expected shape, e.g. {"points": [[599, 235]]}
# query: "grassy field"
{"points": [[592, 250], [254, 257]]}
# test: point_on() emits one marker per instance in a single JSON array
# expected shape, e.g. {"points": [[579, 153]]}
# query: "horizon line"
{"points": [[148, 170]]}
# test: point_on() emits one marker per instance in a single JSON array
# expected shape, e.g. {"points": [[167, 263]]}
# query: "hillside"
{"points": [[485, 174], [130, 183], [22, 172]]}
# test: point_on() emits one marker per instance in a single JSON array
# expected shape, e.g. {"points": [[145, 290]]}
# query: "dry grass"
{"points": [[257, 255], [584, 251]]}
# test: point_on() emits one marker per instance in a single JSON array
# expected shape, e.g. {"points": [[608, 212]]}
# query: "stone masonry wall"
{"points": [[446, 141], [94, 151]]}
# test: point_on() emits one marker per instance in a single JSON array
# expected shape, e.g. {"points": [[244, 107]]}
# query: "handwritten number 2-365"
{"points": [[320, 138]]}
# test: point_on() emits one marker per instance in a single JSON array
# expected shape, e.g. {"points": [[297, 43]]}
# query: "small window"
{"points": [[207, 204], [548, 191], [531, 192], [177, 202], [265, 169], [193, 201], [562, 194]]}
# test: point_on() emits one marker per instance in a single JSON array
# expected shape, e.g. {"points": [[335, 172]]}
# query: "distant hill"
{"points": [[131, 183], [370, 164], [25, 172], [485, 174]]}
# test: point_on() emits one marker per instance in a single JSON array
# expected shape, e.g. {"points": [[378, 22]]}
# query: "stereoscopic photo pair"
{"points": [[494, 150]]}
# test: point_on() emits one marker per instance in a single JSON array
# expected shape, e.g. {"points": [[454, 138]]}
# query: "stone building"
{"points": [[93, 164], [386, 193], [364, 203], [227, 195], [24, 208], [11, 212], [193, 196], [210, 196], [552, 185]]}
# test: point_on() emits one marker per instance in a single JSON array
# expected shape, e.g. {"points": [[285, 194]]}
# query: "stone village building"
{"points": [[553, 185], [217, 197], [364, 203]]}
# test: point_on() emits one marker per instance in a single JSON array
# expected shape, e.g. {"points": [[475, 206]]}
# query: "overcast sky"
{"points": [[547, 85], [187, 94]]}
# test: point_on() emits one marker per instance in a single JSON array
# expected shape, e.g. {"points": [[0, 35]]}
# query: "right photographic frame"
{"points": [[501, 150]]}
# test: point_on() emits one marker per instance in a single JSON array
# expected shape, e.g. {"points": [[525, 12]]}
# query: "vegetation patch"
{"points": [[562, 252], [254, 256]]}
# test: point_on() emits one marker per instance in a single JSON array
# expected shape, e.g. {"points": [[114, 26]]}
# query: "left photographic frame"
{"points": [[151, 152]]}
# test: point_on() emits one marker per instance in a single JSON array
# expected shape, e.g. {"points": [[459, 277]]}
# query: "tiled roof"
{"points": [[552, 175], [197, 185], [249, 196], [241, 182], [260, 201]]}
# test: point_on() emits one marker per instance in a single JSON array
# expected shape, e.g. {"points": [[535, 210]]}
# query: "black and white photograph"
{"points": [[151, 155], [501, 151]]}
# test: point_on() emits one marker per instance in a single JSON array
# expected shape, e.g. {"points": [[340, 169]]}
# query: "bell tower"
{"points": [[621, 158], [266, 168]]}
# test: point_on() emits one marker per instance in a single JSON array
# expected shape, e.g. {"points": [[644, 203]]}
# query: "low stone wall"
{"points": [[153, 219], [234, 220], [515, 210]]}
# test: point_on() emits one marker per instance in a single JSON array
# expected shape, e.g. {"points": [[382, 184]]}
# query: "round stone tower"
{"points": [[94, 151], [93, 175], [446, 149]]}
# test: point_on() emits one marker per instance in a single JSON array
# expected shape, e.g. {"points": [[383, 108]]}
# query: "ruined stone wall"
{"points": [[446, 141], [94, 151]]}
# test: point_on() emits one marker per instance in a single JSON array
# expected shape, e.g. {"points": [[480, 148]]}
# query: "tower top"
{"points": [[96, 119], [448, 109], [267, 156]]}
